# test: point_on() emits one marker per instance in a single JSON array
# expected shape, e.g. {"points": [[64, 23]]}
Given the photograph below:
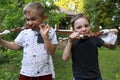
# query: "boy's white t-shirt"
{"points": [[35, 60], [52, 66]]}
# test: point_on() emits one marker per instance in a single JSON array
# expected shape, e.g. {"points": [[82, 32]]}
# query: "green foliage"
{"points": [[8, 75], [103, 13], [13, 57], [53, 18], [13, 19], [12, 15], [3, 58], [11, 65], [117, 76]]}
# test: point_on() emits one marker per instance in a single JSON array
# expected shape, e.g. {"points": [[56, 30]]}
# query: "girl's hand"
{"points": [[114, 31], [74, 36]]}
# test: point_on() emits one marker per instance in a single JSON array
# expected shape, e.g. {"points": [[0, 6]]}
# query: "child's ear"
{"points": [[44, 17]]}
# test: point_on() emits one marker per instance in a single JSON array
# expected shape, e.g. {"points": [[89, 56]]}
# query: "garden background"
{"points": [[104, 13]]}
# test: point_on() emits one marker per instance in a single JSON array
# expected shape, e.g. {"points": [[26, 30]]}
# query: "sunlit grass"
{"points": [[109, 61]]}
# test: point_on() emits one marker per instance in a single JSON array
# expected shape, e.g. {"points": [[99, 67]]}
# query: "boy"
{"points": [[38, 44], [84, 52]]}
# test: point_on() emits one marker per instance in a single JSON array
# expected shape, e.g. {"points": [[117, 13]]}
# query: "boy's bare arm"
{"points": [[49, 46], [44, 29], [10, 45]]}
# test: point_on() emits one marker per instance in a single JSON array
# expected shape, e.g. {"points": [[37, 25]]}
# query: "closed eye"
{"points": [[31, 19], [79, 27], [87, 25]]}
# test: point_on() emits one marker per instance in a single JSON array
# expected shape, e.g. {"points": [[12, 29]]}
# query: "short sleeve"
{"points": [[19, 39], [53, 36], [99, 42]]}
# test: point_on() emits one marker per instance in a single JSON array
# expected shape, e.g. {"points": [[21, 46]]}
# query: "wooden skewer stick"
{"points": [[15, 29], [18, 29], [92, 34]]}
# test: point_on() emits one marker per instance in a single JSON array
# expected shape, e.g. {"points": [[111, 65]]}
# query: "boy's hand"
{"points": [[44, 29]]}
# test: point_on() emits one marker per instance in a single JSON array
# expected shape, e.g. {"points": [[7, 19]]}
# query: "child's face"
{"points": [[33, 19], [82, 26]]}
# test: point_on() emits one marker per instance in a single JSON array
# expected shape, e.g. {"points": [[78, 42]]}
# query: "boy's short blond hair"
{"points": [[32, 6]]}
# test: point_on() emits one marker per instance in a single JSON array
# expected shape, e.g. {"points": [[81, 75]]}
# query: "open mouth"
{"points": [[33, 27]]}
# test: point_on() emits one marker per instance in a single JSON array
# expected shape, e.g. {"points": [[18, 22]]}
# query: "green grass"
{"points": [[63, 69], [109, 61]]}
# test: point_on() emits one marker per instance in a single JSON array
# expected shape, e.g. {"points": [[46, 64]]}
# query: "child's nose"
{"points": [[83, 28], [29, 22]]}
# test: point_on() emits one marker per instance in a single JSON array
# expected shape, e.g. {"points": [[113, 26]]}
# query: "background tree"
{"points": [[73, 5], [12, 15], [105, 13]]}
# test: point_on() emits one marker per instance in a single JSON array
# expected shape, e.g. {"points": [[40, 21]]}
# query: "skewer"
{"points": [[15, 29], [92, 34], [18, 29], [5, 32]]}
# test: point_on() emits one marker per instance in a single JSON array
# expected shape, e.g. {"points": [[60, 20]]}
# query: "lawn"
{"points": [[108, 59]]}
